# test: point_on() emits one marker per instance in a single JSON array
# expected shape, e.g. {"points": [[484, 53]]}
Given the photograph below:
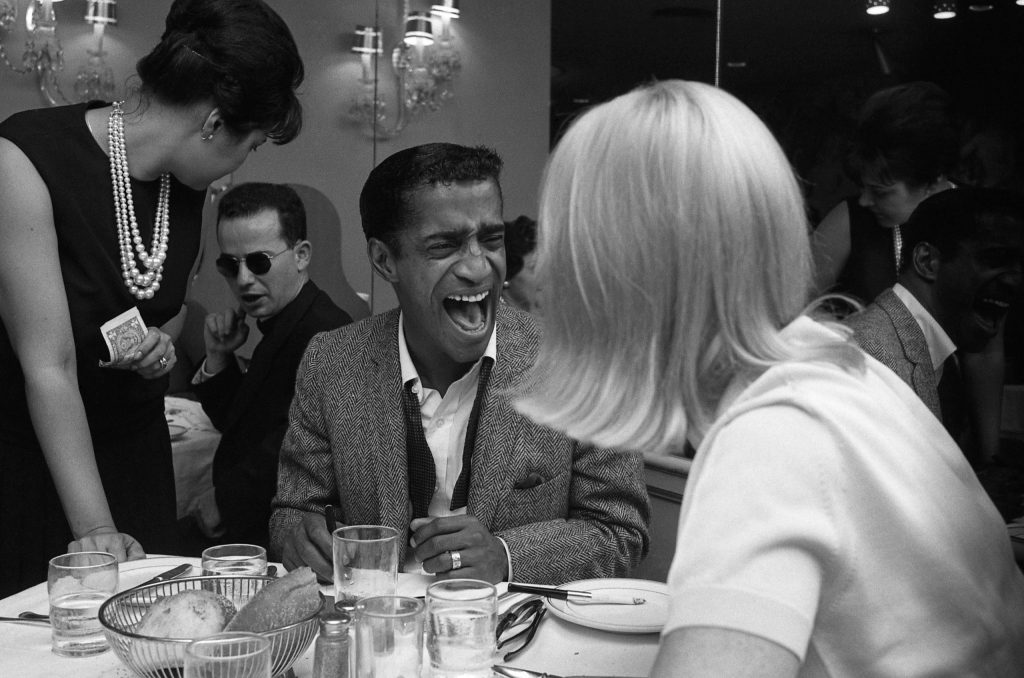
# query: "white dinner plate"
{"points": [[177, 432], [649, 617]]}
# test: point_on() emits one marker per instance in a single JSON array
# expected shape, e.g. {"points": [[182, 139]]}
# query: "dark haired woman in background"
{"points": [[102, 212]]}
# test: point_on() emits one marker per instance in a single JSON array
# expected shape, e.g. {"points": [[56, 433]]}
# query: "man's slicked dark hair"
{"points": [[385, 201], [247, 200], [959, 215]]}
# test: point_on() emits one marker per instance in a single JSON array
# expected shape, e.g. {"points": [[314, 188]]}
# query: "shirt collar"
{"points": [[940, 346], [409, 372]]}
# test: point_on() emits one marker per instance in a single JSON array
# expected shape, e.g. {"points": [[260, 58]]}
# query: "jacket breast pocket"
{"points": [[536, 496]]}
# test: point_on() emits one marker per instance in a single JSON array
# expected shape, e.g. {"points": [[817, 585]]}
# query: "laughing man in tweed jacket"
{"points": [[541, 507]]}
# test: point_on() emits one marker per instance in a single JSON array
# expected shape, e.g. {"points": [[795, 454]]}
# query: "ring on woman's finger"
{"points": [[456, 559], [164, 360]]}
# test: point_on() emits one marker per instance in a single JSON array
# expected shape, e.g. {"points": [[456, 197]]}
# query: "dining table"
{"points": [[561, 646]]}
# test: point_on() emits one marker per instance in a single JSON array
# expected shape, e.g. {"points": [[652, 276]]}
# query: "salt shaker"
{"points": [[330, 656]]}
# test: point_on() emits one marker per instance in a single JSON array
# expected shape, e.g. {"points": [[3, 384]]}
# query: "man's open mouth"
{"points": [[469, 311], [989, 311]]}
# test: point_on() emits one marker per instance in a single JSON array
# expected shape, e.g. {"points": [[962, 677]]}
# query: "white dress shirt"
{"points": [[445, 419]]}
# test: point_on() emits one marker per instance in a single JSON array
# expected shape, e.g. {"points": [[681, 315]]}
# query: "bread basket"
{"points": [[152, 657]]}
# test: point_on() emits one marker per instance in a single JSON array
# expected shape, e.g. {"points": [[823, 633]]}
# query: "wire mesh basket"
{"points": [[153, 657]]}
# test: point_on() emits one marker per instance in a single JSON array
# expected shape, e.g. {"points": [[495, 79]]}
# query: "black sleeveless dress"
{"points": [[125, 411], [871, 267]]}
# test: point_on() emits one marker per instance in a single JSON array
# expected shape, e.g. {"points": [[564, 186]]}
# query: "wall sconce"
{"points": [[95, 79], [43, 54], [945, 9], [876, 7], [425, 63]]}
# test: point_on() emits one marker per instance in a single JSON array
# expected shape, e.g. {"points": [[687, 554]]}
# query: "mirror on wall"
{"points": [[804, 66]]}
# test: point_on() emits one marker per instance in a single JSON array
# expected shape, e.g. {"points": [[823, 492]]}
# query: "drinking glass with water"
{"points": [[77, 584], [462, 615]]}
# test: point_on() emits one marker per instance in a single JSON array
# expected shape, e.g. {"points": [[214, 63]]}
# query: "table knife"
{"points": [[584, 597], [172, 573], [511, 672]]}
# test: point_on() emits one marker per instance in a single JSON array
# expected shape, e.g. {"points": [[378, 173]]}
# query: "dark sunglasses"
{"points": [[258, 263]]}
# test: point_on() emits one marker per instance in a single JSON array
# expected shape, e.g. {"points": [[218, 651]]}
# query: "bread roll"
{"points": [[189, 614], [284, 601]]}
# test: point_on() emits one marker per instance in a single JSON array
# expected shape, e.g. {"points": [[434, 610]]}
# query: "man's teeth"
{"points": [[469, 297], [996, 302]]}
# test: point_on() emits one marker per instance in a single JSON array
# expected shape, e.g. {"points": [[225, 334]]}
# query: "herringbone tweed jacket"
{"points": [[346, 446], [888, 332]]}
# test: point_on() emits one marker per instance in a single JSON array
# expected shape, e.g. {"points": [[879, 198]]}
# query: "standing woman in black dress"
{"points": [[102, 212]]}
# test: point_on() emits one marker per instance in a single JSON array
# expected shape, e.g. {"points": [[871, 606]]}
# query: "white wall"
{"points": [[501, 98]]}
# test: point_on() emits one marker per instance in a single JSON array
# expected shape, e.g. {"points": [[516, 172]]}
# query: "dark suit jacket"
{"points": [[888, 332], [251, 412], [346, 445]]}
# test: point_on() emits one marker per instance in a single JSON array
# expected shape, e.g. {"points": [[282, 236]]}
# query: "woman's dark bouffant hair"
{"points": [[239, 54], [906, 133]]}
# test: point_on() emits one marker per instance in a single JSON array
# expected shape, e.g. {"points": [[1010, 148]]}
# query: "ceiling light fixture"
{"points": [[876, 7], [945, 9], [980, 6]]}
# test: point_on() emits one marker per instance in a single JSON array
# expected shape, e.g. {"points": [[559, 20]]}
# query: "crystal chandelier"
{"points": [[424, 64]]}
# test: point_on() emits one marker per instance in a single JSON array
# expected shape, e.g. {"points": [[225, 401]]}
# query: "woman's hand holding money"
{"points": [[153, 358], [223, 334]]}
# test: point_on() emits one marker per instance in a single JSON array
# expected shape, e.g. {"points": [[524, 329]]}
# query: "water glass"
{"points": [[389, 637], [365, 563], [228, 655], [462, 616], [77, 584], [234, 559]]}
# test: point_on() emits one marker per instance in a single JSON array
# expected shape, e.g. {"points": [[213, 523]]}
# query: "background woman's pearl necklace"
{"points": [[141, 285]]}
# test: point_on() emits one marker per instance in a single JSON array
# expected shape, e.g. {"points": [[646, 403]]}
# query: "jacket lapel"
{"points": [[915, 349], [494, 453], [381, 436]]}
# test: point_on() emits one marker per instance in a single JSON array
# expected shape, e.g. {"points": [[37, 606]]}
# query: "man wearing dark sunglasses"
{"points": [[261, 230]]}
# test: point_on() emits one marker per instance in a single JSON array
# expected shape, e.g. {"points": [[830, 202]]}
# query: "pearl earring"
{"points": [[206, 137]]}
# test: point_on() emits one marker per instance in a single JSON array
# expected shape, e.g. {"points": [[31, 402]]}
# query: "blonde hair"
{"points": [[674, 248]]}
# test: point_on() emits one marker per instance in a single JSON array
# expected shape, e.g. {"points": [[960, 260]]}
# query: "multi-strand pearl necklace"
{"points": [[141, 285]]}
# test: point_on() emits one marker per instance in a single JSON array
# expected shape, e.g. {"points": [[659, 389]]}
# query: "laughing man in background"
{"points": [[961, 270]]}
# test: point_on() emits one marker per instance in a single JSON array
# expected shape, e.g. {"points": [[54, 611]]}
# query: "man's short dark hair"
{"points": [[247, 200], [959, 215], [385, 204]]}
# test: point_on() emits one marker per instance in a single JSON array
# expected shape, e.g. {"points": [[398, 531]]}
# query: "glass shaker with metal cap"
{"points": [[331, 653]]}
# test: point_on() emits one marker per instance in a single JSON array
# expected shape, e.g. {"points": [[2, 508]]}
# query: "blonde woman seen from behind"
{"points": [[830, 526]]}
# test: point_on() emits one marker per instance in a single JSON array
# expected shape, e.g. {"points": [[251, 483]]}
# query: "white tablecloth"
{"points": [[559, 647], [193, 451]]}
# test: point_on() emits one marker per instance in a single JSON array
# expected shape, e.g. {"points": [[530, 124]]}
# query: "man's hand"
{"points": [[481, 553], [223, 334], [122, 546], [310, 544]]}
